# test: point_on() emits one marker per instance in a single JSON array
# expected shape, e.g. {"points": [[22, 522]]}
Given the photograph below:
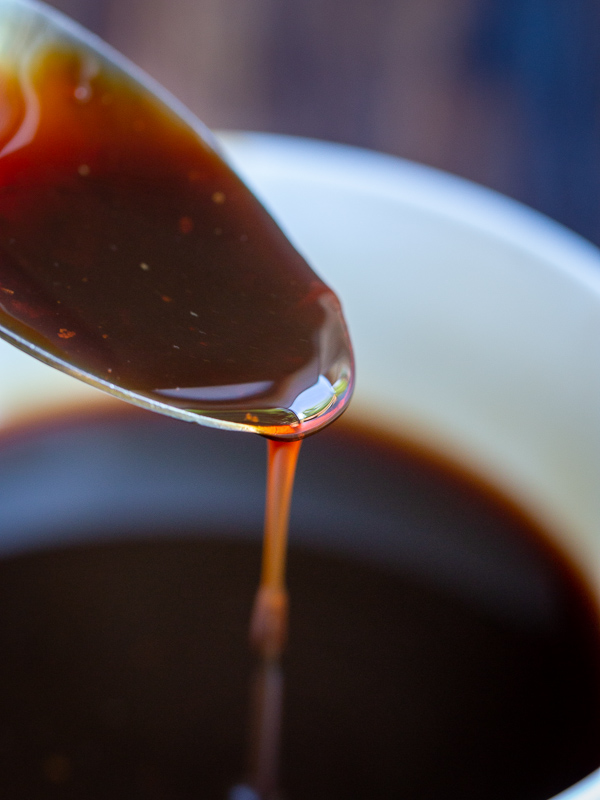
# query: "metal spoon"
{"points": [[118, 330]]}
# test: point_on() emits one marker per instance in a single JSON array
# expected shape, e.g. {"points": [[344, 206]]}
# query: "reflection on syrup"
{"points": [[131, 254]]}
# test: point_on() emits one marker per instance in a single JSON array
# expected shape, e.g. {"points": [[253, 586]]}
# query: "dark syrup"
{"points": [[441, 646], [130, 251]]}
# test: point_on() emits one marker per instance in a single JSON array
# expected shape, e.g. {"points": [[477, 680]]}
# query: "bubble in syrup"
{"points": [[83, 93]]}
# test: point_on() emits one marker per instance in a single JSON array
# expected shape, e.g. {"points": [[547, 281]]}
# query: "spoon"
{"points": [[133, 258]]}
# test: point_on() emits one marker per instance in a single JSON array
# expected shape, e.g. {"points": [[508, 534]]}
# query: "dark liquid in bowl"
{"points": [[440, 646]]}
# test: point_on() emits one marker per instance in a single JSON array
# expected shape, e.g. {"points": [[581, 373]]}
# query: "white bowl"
{"points": [[476, 324]]}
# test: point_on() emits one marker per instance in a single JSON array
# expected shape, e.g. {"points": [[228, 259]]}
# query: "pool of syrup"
{"points": [[440, 645]]}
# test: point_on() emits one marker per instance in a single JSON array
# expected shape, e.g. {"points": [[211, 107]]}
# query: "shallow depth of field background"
{"points": [[504, 92]]}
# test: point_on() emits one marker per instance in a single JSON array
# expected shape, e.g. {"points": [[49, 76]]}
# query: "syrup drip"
{"points": [[268, 626], [268, 629]]}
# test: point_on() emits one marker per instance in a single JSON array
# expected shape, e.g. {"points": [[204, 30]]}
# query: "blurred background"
{"points": [[504, 92]]}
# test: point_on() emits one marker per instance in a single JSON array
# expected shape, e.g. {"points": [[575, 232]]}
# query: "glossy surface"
{"points": [[133, 257], [451, 633]]}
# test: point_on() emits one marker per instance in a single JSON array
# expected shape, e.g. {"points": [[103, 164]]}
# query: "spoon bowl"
{"points": [[133, 258]]}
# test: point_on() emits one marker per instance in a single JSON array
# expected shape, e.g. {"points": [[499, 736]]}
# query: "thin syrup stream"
{"points": [[268, 627], [269, 624], [266, 713]]}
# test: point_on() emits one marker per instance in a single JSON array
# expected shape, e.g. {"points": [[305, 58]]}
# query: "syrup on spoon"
{"points": [[133, 257]]}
